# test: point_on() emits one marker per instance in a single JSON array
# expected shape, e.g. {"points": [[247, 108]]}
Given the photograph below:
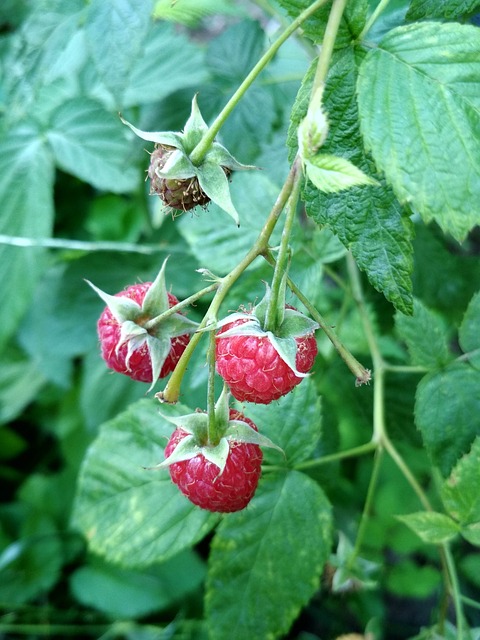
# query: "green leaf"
{"points": [[409, 580], [91, 144], [430, 526], [332, 173], [426, 336], [437, 66], [214, 240], [129, 593], [293, 422], [191, 12], [266, 561], [26, 194], [448, 9], [31, 565], [446, 412], [471, 533], [20, 381], [468, 333], [132, 516], [168, 62], [460, 493], [115, 33], [368, 220]]}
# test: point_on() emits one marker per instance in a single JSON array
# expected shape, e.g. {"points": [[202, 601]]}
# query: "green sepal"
{"points": [[220, 155], [192, 423], [158, 350], [240, 431], [194, 129], [122, 308], [177, 167], [296, 324], [287, 350], [155, 301], [214, 182], [169, 138]]}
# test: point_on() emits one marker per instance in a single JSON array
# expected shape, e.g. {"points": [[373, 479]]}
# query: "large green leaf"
{"points": [[129, 593], [115, 32], [446, 412], [191, 12], [20, 381], [133, 516], [26, 194], [168, 61], [449, 9], [367, 219], [419, 108], [91, 143], [294, 423], [426, 336], [266, 561], [460, 490]]}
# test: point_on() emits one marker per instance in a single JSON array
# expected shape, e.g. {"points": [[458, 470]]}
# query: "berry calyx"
{"points": [[138, 338], [182, 184], [220, 476]]}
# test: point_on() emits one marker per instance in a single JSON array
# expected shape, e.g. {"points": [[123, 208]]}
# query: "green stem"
{"points": [[281, 265], [456, 595], [361, 450], [328, 43], [48, 630], [367, 507], [212, 424], [404, 368], [203, 146], [151, 324], [368, 25], [361, 374], [172, 390]]}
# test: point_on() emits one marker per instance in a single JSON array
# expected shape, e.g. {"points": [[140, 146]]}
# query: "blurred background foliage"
{"points": [[75, 206]]}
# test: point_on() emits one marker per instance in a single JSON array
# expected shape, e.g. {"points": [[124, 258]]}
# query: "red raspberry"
{"points": [[139, 366], [254, 370], [200, 481]]}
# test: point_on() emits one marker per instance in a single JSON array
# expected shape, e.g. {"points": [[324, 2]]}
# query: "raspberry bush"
{"points": [[258, 417]]}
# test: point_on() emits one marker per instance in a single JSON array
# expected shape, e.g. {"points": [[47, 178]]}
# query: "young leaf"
{"points": [[132, 516], [446, 412], [331, 174], [426, 336], [431, 527], [287, 526], [427, 74]]}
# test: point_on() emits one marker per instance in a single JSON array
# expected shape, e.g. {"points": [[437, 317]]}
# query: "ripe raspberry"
{"points": [[253, 368], [203, 483], [139, 365]]}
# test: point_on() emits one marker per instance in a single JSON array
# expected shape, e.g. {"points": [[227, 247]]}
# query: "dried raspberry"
{"points": [[139, 365], [203, 483], [253, 368]]}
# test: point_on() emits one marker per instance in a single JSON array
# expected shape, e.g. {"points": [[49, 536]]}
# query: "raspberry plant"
{"points": [[288, 443]]}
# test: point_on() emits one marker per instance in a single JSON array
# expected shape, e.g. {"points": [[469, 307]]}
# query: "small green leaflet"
{"points": [[331, 174], [431, 527]]}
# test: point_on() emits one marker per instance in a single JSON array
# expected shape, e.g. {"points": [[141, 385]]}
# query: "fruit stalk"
{"points": [[203, 146]]}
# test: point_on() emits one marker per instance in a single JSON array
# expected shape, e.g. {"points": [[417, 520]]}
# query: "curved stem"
{"points": [[180, 305], [367, 506], [203, 146], [283, 253], [328, 43], [361, 450], [378, 10], [456, 594]]}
